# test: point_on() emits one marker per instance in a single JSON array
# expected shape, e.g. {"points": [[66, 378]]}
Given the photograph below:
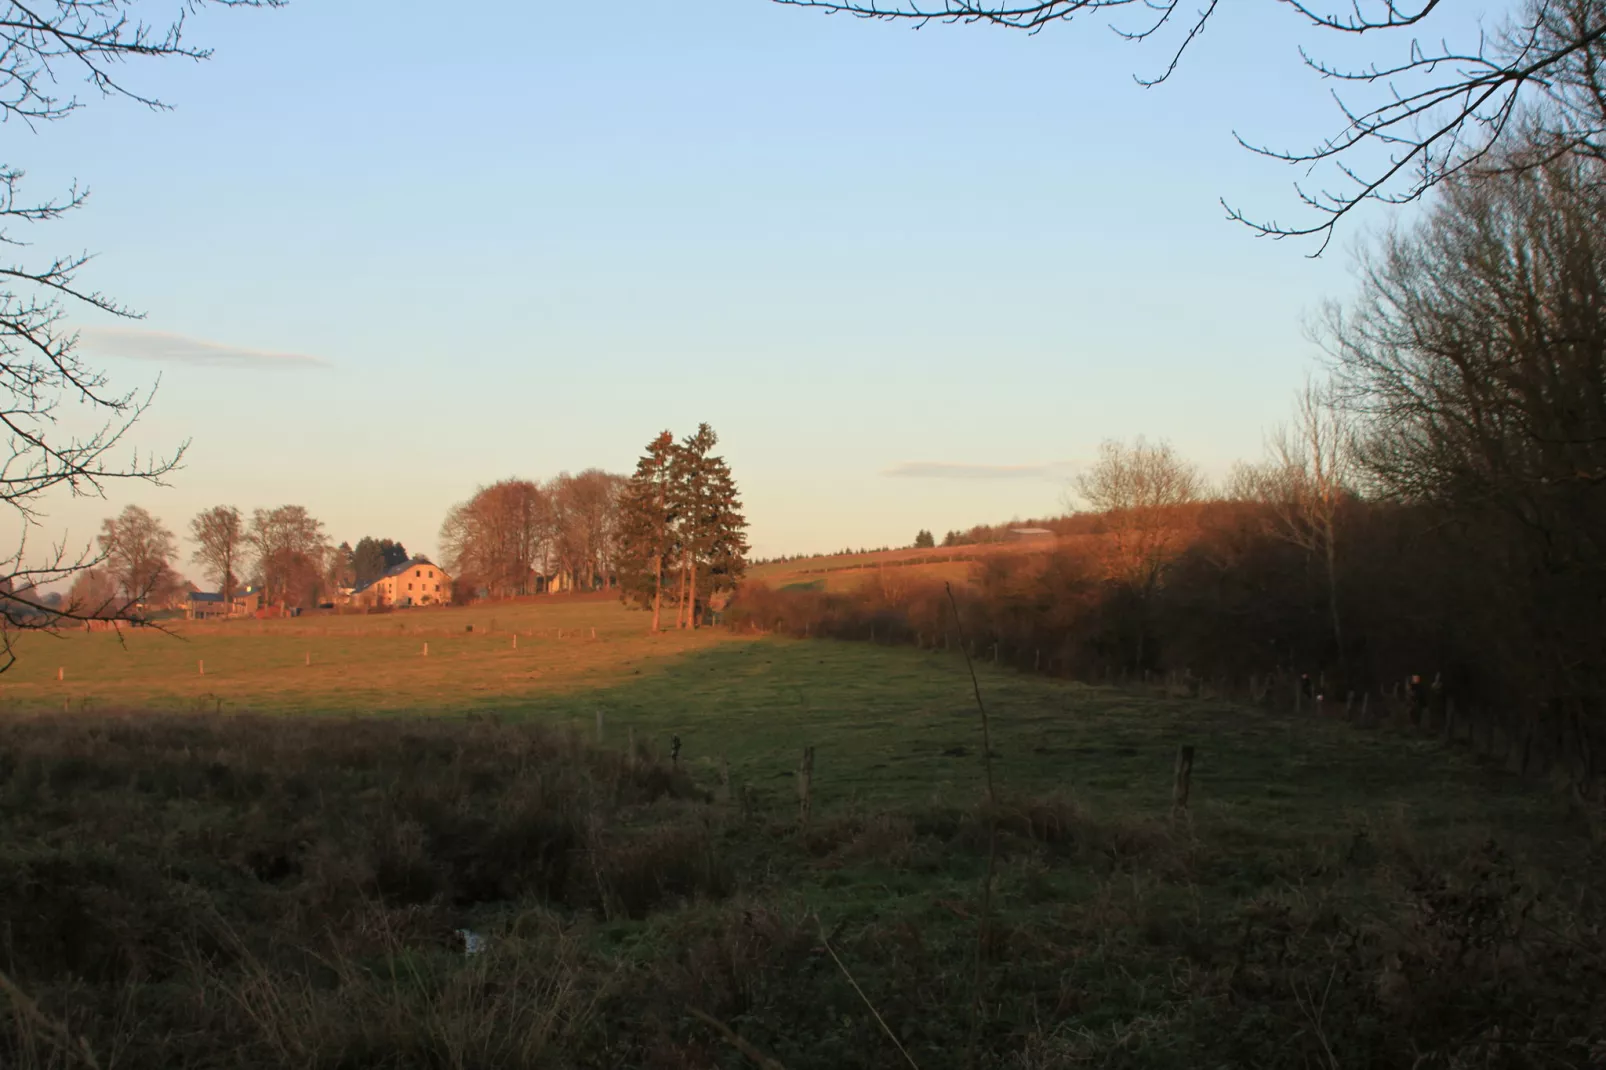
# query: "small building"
{"points": [[419, 582], [211, 605], [1029, 534]]}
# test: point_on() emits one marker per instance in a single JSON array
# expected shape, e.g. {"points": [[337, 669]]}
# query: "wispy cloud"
{"points": [[138, 344], [946, 470]]}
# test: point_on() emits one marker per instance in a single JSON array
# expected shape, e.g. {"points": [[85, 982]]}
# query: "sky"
{"points": [[912, 278]]}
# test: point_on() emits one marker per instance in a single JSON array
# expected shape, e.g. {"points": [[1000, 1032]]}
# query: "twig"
{"points": [[736, 1040], [882, 1022], [56, 1031]]}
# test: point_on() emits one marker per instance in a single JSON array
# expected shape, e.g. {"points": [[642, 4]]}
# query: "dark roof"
{"points": [[397, 570], [217, 596]]}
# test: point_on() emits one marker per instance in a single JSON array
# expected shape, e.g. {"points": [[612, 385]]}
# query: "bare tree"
{"points": [[497, 537], [1310, 473], [221, 543], [1421, 111], [43, 48], [139, 554], [95, 592], [1141, 489], [585, 516], [290, 548], [1475, 355]]}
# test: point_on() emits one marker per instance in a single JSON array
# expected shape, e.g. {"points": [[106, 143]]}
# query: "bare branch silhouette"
{"points": [[1405, 124], [43, 47]]}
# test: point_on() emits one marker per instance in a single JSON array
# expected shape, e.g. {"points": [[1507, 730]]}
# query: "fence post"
{"points": [[426, 650], [599, 725], [1181, 783], [201, 665], [805, 786]]}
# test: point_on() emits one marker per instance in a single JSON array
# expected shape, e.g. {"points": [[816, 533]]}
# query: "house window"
{"points": [[431, 573], [437, 587], [409, 586], [419, 573]]}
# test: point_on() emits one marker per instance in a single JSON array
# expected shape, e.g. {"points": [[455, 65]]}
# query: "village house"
{"points": [[211, 605], [419, 582]]}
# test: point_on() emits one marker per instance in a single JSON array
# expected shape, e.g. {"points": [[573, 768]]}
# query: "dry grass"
{"points": [[357, 663], [242, 891]]}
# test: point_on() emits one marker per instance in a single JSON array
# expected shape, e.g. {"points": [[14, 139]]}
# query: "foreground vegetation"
{"points": [[254, 890]]}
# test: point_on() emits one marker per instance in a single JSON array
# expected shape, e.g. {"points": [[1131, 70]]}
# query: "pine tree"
{"points": [[647, 518], [924, 540], [693, 470], [713, 528]]}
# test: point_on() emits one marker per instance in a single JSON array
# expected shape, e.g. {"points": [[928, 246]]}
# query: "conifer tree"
{"points": [[647, 522]]}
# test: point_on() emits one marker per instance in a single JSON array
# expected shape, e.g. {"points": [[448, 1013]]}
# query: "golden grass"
{"points": [[358, 663]]}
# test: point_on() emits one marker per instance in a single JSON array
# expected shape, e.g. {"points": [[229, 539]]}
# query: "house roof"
{"points": [[217, 596], [397, 570]]}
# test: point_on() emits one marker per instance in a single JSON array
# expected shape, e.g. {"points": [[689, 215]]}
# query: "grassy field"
{"points": [[279, 884], [346, 664]]}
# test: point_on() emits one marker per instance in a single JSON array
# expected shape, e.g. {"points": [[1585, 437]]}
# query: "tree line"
{"points": [[519, 537], [671, 536], [1434, 508], [283, 552]]}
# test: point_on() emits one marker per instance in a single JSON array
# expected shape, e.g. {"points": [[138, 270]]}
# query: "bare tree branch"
{"points": [[44, 45], [1422, 118]]}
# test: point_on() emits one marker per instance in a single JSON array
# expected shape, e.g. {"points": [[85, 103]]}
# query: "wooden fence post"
{"points": [[515, 640], [805, 786], [309, 657], [61, 674], [201, 665], [599, 725], [630, 748], [426, 650], [1182, 781]]}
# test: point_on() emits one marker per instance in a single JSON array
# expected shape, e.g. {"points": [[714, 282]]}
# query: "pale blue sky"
{"points": [[526, 240]]}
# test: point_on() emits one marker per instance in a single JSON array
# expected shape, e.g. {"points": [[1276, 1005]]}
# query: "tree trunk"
{"points": [[691, 607], [1332, 596], [657, 587], [680, 610]]}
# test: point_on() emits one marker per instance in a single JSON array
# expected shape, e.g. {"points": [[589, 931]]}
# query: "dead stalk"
{"points": [[882, 1022], [736, 1041], [55, 1031]]}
